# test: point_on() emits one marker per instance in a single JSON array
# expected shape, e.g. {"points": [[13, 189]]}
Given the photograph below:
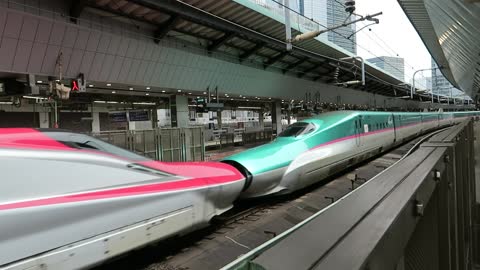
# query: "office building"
{"points": [[392, 65]]}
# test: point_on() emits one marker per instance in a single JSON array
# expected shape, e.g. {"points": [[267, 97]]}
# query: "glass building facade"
{"points": [[392, 65], [330, 13]]}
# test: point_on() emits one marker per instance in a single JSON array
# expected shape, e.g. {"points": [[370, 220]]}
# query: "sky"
{"points": [[393, 35]]}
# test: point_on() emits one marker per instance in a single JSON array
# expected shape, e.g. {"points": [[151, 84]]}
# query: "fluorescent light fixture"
{"points": [[6, 103], [248, 100], [231, 99], [39, 81], [250, 108], [179, 90], [32, 97], [100, 101], [244, 97], [113, 92], [147, 94], [192, 105], [163, 91], [112, 102], [90, 85], [130, 88], [189, 93], [204, 93], [148, 88], [143, 103], [109, 84]]}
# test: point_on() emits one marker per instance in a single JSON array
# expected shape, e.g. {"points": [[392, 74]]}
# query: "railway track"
{"points": [[251, 223]]}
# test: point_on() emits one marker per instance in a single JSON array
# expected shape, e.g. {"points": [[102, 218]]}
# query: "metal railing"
{"points": [[420, 213], [165, 144]]}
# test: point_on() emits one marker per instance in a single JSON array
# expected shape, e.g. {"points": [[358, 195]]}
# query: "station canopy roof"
{"points": [[231, 27]]}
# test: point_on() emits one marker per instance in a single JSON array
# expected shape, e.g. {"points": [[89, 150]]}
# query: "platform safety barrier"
{"points": [[419, 214], [165, 144], [257, 137]]}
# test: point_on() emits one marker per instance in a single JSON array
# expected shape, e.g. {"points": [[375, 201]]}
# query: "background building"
{"points": [[440, 84], [331, 13], [392, 65]]}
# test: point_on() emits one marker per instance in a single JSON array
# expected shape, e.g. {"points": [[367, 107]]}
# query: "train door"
{"points": [[391, 122], [358, 131]]}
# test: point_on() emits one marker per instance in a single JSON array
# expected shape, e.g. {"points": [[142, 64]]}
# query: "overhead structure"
{"points": [[450, 31], [241, 29]]}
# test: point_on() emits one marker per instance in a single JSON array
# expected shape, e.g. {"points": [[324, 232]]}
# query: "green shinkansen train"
{"points": [[312, 149]]}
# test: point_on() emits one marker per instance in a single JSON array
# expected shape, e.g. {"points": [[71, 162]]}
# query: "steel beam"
{"points": [[274, 59], [293, 65], [76, 8], [219, 42], [306, 71], [166, 27], [251, 52]]}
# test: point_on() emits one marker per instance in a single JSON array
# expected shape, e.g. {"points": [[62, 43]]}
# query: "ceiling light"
{"points": [[130, 88], [90, 85], [179, 90], [163, 91], [147, 94], [57, 80], [204, 93], [113, 92], [148, 88], [109, 84], [143, 103], [189, 93], [269, 98], [32, 97], [247, 100], [240, 95], [39, 81], [252, 108], [231, 99], [244, 97]]}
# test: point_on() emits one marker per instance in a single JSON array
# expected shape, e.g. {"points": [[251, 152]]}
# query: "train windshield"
{"points": [[297, 129], [81, 141]]}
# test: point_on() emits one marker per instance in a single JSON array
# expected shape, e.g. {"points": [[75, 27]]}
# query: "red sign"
{"points": [[75, 85]]}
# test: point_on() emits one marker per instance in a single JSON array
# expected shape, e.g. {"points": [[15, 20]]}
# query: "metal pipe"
{"points": [[288, 28], [363, 65], [412, 89], [208, 94]]}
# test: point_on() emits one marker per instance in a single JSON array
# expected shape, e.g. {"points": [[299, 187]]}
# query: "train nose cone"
{"points": [[213, 171], [266, 164]]}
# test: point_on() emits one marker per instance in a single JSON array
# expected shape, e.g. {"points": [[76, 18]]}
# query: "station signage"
{"points": [[138, 116], [118, 116]]}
